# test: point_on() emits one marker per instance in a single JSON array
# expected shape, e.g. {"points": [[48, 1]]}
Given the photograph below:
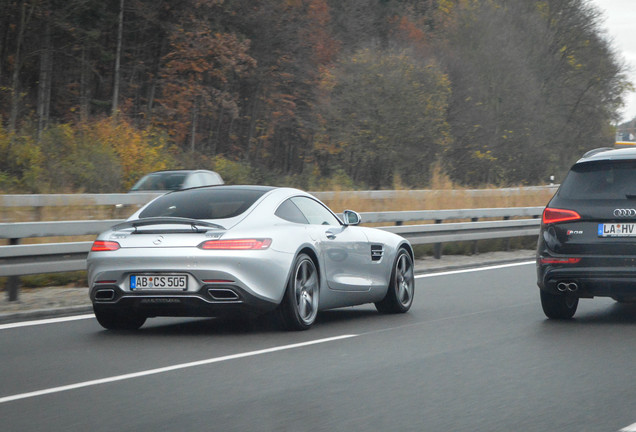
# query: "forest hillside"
{"points": [[317, 94]]}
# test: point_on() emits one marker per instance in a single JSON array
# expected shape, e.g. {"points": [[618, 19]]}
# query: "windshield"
{"points": [[212, 203], [160, 181], [600, 180]]}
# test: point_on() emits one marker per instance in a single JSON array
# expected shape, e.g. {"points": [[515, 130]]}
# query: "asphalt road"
{"points": [[475, 353]]}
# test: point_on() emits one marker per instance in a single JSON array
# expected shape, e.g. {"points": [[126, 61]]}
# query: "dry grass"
{"points": [[401, 200], [443, 199], [443, 194]]}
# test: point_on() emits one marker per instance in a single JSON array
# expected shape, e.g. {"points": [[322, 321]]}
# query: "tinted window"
{"points": [[600, 180], [316, 213], [288, 211], [203, 203]]}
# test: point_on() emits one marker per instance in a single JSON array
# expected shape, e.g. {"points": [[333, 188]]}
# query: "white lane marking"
{"points": [[168, 369], [630, 428], [45, 321], [452, 272]]}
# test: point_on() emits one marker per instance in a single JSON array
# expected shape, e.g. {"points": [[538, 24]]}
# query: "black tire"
{"points": [[399, 296], [299, 307], [118, 320], [558, 306]]}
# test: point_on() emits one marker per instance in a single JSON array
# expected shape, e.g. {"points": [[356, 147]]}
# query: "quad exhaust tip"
{"points": [[570, 286]]}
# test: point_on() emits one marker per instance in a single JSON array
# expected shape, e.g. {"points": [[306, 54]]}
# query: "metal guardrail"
{"points": [[20, 260], [26, 259], [53, 200]]}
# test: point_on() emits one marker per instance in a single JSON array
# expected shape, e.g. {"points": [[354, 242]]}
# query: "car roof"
{"points": [[184, 171], [608, 153], [233, 187]]}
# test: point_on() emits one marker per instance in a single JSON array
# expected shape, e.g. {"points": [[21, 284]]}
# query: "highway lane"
{"points": [[474, 354]]}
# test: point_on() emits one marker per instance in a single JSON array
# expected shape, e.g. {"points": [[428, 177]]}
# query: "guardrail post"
{"points": [[508, 239], [475, 247], [437, 247], [13, 282]]}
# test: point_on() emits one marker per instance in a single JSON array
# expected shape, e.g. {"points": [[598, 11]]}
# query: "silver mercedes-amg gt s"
{"points": [[219, 250]]}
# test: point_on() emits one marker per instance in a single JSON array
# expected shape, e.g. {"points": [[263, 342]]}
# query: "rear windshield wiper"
{"points": [[630, 195], [195, 224]]}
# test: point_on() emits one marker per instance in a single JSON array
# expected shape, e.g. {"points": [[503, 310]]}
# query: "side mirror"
{"points": [[351, 218]]}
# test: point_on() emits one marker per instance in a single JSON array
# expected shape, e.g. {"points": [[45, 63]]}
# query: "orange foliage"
{"points": [[139, 151], [195, 77], [324, 46]]}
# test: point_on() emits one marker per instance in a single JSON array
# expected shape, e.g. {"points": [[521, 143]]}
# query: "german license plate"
{"points": [[160, 282], [617, 230]]}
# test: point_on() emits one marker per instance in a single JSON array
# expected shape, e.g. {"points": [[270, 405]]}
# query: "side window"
{"points": [[316, 213], [288, 211]]}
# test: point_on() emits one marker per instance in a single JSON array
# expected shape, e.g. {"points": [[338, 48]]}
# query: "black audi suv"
{"points": [[587, 242]]}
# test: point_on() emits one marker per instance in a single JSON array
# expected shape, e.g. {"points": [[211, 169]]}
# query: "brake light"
{"points": [[560, 260], [238, 244], [552, 215], [104, 246]]}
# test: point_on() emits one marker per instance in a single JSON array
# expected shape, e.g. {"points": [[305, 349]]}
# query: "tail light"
{"points": [[560, 260], [237, 244], [104, 246], [552, 215]]}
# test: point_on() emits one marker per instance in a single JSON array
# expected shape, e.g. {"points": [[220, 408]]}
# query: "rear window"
{"points": [[600, 180], [203, 203]]}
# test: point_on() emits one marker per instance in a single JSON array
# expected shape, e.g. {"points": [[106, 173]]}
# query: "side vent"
{"points": [[377, 251]]}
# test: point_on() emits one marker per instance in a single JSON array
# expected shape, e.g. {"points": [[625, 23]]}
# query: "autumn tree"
{"points": [[197, 81], [385, 116], [291, 43], [294, 91], [533, 85]]}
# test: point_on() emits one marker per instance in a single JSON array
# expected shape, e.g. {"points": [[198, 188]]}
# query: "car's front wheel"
{"points": [[299, 307], [117, 320], [558, 306], [399, 296]]}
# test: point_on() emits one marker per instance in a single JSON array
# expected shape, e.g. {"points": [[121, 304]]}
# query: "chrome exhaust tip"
{"points": [[105, 294], [223, 294], [570, 286]]}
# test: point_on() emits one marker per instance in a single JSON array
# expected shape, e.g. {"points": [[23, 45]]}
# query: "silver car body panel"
{"points": [[354, 262]]}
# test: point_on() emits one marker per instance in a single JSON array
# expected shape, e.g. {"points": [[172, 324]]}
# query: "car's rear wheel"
{"points": [[399, 296], [118, 320], [558, 306], [299, 307]]}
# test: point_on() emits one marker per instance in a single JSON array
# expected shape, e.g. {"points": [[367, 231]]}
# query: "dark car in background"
{"points": [[587, 242], [176, 180]]}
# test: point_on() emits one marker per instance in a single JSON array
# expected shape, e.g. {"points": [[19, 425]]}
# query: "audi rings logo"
{"points": [[625, 213]]}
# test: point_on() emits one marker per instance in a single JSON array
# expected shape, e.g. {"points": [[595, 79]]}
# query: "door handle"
{"points": [[330, 235]]}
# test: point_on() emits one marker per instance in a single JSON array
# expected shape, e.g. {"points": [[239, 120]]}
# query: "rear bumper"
{"points": [[588, 281], [209, 301]]}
